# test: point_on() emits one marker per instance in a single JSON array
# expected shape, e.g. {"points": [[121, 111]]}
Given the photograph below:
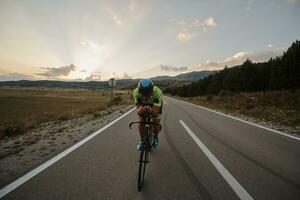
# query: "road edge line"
{"points": [[238, 119], [15, 184], [233, 183]]}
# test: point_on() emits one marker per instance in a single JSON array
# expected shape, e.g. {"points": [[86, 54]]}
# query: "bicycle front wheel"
{"points": [[142, 168]]}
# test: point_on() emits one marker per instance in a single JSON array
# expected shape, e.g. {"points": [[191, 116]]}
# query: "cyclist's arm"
{"points": [[156, 108], [137, 102], [158, 103], [136, 97]]}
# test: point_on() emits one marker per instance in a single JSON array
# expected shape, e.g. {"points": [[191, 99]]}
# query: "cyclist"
{"points": [[148, 98]]}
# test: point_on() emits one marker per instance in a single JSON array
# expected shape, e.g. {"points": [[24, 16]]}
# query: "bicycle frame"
{"points": [[144, 153]]}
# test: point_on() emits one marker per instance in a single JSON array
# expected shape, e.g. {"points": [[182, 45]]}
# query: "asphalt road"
{"points": [[203, 155]]}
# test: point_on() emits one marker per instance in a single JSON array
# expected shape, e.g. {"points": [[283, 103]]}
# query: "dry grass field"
{"points": [[22, 109], [280, 108]]}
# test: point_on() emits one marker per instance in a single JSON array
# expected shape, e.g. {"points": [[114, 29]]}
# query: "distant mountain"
{"points": [[162, 81], [191, 76], [160, 78], [194, 76], [167, 81], [55, 84]]}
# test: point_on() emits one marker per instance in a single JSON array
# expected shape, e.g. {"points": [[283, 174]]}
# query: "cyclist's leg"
{"points": [[156, 128], [142, 132], [141, 127], [157, 119]]}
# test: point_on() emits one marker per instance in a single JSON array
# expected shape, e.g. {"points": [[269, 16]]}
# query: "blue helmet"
{"points": [[145, 87]]}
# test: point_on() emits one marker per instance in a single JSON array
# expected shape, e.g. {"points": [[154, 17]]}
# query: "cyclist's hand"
{"points": [[143, 109], [148, 109], [140, 110]]}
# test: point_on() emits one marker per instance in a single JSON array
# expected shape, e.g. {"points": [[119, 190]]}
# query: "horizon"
{"points": [[98, 40], [129, 78]]}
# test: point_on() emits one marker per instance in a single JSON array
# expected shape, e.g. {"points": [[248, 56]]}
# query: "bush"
{"points": [[224, 93], [97, 114], [115, 101], [14, 129], [64, 117], [209, 97]]}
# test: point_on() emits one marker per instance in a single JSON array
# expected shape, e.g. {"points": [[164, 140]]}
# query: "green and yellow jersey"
{"points": [[155, 99]]}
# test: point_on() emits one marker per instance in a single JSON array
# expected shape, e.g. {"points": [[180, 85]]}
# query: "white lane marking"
{"points": [[165, 102], [12, 186], [251, 123], [234, 184]]}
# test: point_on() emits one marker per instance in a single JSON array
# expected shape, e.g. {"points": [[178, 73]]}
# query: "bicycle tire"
{"points": [[145, 162], [144, 155], [141, 170]]}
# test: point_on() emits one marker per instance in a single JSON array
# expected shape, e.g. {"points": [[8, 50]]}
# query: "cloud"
{"points": [[183, 37], [210, 22], [126, 76], [267, 54], [127, 14], [172, 68], [196, 23], [181, 23], [207, 66], [92, 46], [132, 5], [15, 77], [239, 58], [190, 29], [117, 20], [96, 76], [57, 72], [230, 61]]}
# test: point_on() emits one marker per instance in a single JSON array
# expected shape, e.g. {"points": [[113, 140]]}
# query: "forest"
{"points": [[279, 73]]}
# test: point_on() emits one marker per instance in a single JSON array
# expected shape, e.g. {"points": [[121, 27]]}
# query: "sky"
{"points": [[85, 40]]}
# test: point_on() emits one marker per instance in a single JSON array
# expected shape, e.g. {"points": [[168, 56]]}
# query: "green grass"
{"points": [[22, 109]]}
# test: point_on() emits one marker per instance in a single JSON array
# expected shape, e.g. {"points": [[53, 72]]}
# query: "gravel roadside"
{"points": [[23, 153]]}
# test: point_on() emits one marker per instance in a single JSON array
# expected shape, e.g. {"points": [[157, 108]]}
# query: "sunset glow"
{"points": [[135, 39]]}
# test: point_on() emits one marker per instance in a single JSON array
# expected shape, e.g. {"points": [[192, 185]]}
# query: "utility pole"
{"points": [[112, 91], [112, 83]]}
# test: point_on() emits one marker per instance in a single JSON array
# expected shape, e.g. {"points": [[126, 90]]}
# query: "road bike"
{"points": [[147, 147]]}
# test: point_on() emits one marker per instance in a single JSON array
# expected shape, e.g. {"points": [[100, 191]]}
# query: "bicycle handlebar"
{"points": [[151, 123]]}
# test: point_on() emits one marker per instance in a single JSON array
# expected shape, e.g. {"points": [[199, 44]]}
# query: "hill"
{"points": [[190, 76], [55, 84], [280, 73], [163, 81]]}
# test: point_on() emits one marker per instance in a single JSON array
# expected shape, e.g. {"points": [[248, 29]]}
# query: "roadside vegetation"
{"points": [[280, 73], [278, 109], [267, 91], [25, 108]]}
